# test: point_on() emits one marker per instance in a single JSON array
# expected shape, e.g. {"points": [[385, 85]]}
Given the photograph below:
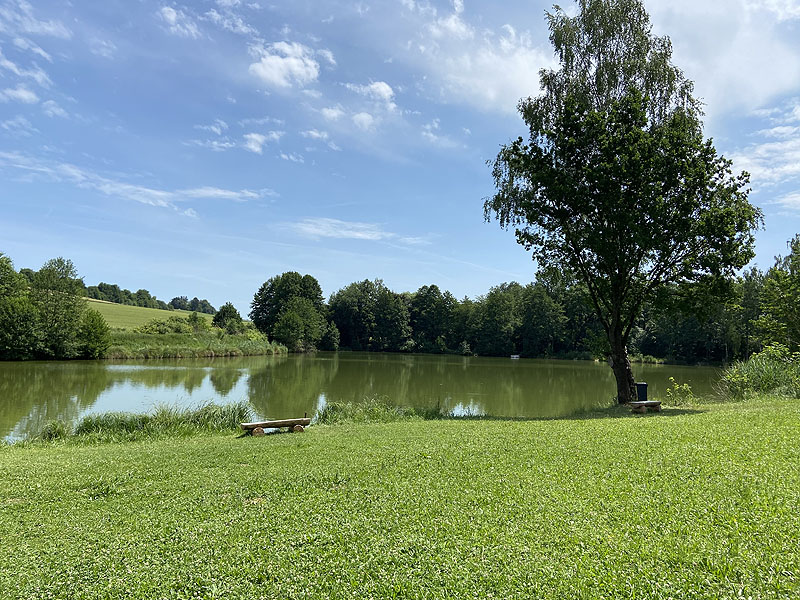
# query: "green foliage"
{"points": [[112, 293], [55, 430], [352, 309], [780, 320], [679, 394], [193, 305], [371, 410], [330, 339], [300, 326], [94, 337], [198, 323], [275, 293], [56, 293], [19, 332], [775, 369], [229, 319], [173, 324], [190, 345], [616, 183]]}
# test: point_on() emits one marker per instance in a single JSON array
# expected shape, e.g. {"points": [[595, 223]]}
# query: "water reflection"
{"points": [[33, 393]]}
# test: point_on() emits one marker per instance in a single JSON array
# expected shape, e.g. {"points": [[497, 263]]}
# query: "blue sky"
{"points": [[202, 147]]}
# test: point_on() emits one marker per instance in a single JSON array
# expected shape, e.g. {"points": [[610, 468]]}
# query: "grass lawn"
{"points": [[120, 316], [687, 503]]}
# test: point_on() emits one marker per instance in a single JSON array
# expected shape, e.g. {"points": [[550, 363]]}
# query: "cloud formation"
{"points": [[178, 22], [63, 172], [285, 65]]}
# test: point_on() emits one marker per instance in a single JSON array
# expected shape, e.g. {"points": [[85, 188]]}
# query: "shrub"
{"points": [[773, 370], [94, 336], [679, 394]]}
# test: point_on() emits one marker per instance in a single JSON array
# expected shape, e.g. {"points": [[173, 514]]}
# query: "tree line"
{"points": [[551, 317], [113, 293]]}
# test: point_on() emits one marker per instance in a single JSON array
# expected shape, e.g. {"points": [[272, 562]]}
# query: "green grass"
{"points": [[120, 316], [125, 344], [687, 503]]}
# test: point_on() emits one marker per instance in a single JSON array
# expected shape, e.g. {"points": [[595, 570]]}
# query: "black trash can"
{"points": [[641, 391]]}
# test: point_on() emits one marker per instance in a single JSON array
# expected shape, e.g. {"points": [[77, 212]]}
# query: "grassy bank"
{"points": [[687, 503], [187, 345]]}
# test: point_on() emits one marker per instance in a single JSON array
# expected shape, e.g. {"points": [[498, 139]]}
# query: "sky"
{"points": [[200, 148]]}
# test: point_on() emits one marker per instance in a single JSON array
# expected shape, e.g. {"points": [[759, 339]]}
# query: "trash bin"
{"points": [[641, 391]]}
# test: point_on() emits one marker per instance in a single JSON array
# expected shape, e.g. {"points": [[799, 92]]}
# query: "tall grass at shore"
{"points": [[164, 420], [774, 370], [127, 344]]}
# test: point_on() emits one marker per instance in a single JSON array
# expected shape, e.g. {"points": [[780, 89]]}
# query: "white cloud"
{"points": [[790, 201], [379, 91], [231, 22], [364, 121], [741, 54], [51, 109], [215, 193], [26, 44], [315, 134], [16, 17], [291, 156], [260, 121], [218, 126], [461, 64], [430, 132], [102, 48], [322, 227], [18, 94], [179, 22], [453, 25], [86, 179], [254, 142], [327, 55], [35, 73], [228, 3], [285, 64], [333, 113], [19, 126], [775, 159], [218, 145]]}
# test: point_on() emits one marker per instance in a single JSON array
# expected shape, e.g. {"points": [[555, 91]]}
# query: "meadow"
{"points": [[121, 316], [693, 502]]}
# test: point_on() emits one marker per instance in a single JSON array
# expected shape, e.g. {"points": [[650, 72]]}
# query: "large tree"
{"points": [[616, 183]]}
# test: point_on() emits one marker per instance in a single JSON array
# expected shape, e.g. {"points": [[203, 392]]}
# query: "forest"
{"points": [[550, 317]]}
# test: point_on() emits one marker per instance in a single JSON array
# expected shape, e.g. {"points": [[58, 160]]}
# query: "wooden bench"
{"points": [[294, 425], [641, 406]]}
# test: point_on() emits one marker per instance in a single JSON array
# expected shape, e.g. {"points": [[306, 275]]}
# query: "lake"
{"points": [[33, 393]]}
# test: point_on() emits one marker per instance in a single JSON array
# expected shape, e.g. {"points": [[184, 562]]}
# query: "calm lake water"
{"points": [[33, 393]]}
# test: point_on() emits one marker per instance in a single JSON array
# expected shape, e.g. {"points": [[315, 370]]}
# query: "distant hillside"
{"points": [[120, 316], [111, 292]]}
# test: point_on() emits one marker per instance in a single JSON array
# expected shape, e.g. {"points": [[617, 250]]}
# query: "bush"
{"points": [[94, 336], [173, 324], [679, 394], [773, 370]]}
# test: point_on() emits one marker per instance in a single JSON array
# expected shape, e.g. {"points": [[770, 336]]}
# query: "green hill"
{"points": [[122, 316]]}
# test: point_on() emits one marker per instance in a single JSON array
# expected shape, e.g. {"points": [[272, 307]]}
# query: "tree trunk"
{"points": [[621, 365]]}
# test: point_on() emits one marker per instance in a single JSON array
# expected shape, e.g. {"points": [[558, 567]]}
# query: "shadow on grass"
{"points": [[379, 411], [612, 412]]}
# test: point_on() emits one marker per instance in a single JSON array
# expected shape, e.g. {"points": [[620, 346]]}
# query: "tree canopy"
{"points": [[616, 183]]}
